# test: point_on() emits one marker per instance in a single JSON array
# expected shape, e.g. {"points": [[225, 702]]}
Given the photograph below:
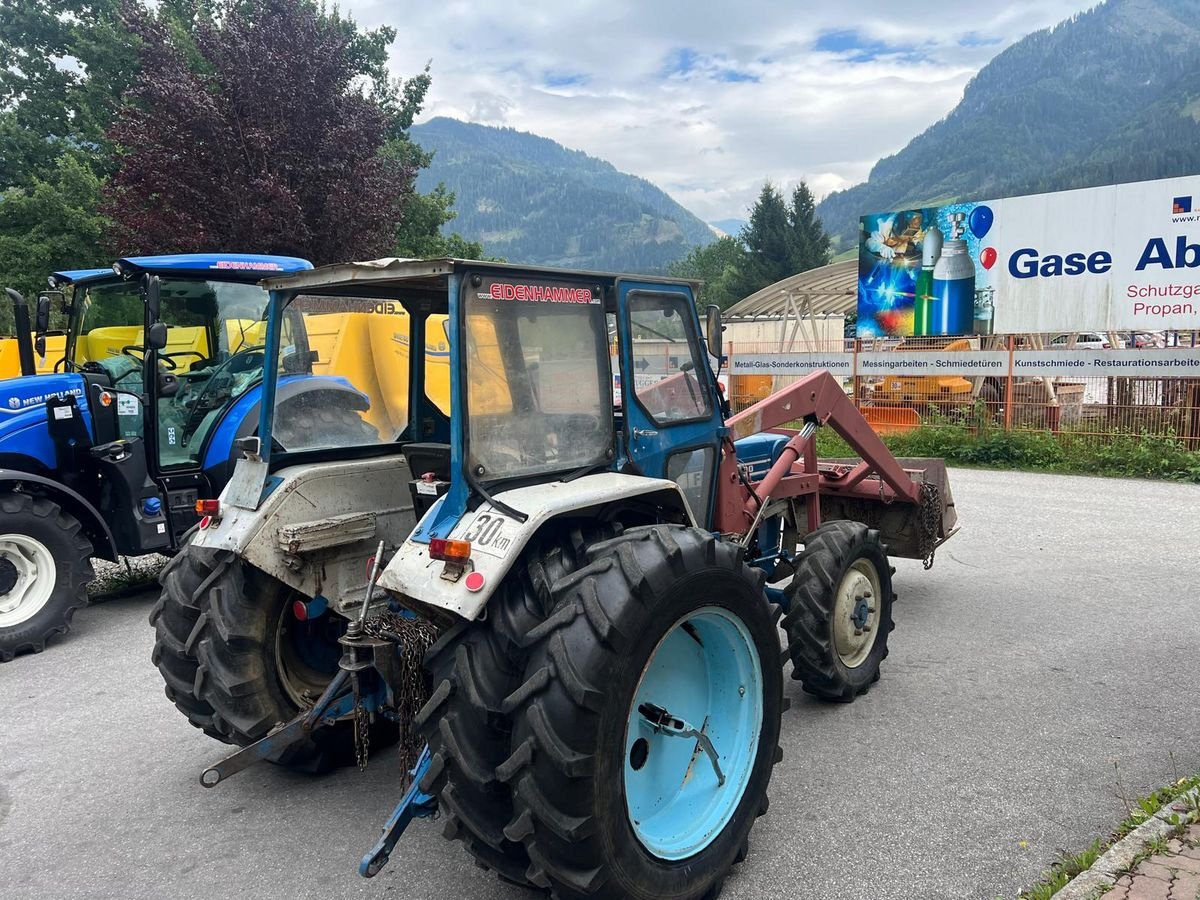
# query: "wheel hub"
{"points": [[8, 576], [692, 734], [27, 578], [855, 614]]}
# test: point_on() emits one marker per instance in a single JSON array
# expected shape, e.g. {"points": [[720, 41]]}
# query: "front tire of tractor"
{"points": [[45, 567], [839, 611], [665, 624], [472, 668], [229, 629]]}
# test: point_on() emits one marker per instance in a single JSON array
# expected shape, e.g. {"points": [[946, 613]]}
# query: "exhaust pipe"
{"points": [[24, 332]]}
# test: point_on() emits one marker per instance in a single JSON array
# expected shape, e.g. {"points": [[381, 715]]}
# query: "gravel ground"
{"points": [[1042, 671]]}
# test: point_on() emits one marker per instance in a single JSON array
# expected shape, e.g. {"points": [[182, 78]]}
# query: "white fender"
{"points": [[497, 540]]}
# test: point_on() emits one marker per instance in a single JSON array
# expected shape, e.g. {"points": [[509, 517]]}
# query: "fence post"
{"points": [[854, 364], [1008, 388]]}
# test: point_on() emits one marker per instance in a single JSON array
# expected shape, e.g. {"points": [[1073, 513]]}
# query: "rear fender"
{"points": [[94, 525], [498, 540], [318, 524]]}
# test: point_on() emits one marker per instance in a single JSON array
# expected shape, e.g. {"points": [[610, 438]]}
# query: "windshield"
{"points": [[539, 395], [205, 319]]}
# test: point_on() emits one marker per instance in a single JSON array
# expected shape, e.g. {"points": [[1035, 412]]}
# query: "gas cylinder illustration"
{"points": [[953, 307], [985, 311], [931, 251]]}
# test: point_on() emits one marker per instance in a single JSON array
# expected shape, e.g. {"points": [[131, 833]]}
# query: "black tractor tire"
{"points": [[238, 621], [830, 554], [302, 418], [471, 670], [571, 712], [61, 535], [184, 581]]}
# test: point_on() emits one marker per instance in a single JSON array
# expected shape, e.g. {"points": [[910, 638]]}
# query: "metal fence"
{"points": [[1004, 381]]}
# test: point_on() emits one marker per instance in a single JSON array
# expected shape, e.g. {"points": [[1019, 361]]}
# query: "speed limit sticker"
{"points": [[489, 532]]}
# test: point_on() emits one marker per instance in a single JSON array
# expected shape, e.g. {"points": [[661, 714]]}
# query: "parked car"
{"points": [[1087, 340]]}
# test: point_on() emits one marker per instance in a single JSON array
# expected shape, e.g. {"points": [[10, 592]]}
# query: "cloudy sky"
{"points": [[707, 99]]}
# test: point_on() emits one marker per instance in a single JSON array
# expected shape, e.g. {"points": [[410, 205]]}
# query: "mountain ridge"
{"points": [[530, 199]]}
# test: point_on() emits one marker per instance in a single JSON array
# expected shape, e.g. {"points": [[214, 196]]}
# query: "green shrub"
{"points": [[1125, 454]]}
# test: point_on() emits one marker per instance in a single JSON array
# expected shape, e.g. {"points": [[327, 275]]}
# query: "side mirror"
{"points": [[151, 291], [41, 324], [156, 337], [714, 330], [41, 320]]}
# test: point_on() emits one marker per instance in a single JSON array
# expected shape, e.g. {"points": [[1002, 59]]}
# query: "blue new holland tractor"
{"points": [[160, 379], [565, 604]]}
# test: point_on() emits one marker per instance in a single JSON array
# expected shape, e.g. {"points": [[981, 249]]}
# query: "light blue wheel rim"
{"points": [[706, 671]]}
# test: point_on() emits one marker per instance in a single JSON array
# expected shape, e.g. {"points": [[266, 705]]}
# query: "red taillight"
{"points": [[208, 507], [450, 551]]}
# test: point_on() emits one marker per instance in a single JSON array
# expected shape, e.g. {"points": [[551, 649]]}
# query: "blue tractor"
{"points": [[160, 379], [569, 604]]}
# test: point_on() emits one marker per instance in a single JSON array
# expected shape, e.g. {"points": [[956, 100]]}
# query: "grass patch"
{"points": [[1070, 865], [126, 576], [1125, 455]]}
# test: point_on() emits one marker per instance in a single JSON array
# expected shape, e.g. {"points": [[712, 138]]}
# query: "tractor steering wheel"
{"points": [[164, 358], [198, 409]]}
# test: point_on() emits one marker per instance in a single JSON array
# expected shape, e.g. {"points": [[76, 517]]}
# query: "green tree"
{"points": [[48, 226], [769, 240], [419, 235], [717, 265], [810, 243]]}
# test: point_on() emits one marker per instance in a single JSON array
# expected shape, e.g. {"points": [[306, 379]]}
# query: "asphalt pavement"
{"points": [[1045, 670]]}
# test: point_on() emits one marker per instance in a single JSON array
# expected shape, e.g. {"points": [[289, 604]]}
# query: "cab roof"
{"points": [[232, 266], [77, 276], [369, 276]]}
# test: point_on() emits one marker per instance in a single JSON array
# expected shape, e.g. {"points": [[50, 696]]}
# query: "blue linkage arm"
{"points": [[416, 804]]}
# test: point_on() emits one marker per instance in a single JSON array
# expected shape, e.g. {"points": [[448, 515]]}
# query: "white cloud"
{"points": [[707, 99]]}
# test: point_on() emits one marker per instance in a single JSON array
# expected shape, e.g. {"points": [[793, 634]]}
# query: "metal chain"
{"points": [[931, 514], [362, 734], [412, 636]]}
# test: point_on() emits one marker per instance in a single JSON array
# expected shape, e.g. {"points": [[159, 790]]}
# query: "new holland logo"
{"points": [[14, 403]]}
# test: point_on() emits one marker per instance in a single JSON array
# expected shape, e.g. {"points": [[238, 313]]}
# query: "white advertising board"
{"points": [[1122, 257]]}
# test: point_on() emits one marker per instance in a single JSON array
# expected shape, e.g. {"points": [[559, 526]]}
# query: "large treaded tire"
{"points": [[231, 614], [471, 669], [185, 580], [571, 712], [829, 552], [299, 419], [62, 535]]}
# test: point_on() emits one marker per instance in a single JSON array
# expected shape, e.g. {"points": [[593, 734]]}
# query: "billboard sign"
{"points": [[1122, 257]]}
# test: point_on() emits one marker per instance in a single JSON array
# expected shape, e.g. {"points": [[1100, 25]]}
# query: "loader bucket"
{"points": [[899, 523], [891, 419]]}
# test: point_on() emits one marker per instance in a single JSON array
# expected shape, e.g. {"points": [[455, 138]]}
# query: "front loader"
{"points": [[565, 604]]}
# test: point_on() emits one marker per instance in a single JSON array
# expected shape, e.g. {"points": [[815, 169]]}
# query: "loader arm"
{"points": [[819, 400]]}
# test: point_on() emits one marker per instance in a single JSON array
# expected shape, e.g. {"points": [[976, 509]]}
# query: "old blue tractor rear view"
{"points": [[160, 379], [565, 601]]}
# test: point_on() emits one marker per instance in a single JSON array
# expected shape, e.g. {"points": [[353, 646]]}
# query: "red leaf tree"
{"points": [[249, 129]]}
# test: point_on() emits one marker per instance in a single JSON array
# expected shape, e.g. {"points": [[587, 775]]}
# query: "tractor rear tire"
{"points": [[298, 422], [842, 585], [185, 580], [45, 567], [472, 668], [238, 650], [590, 827]]}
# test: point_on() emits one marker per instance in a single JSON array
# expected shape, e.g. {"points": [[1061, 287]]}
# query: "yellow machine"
{"points": [[897, 401]]}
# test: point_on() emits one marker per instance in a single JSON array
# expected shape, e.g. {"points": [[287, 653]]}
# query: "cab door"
{"points": [[672, 421]]}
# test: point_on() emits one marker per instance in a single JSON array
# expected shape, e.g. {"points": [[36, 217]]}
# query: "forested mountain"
{"points": [[1110, 95], [531, 200]]}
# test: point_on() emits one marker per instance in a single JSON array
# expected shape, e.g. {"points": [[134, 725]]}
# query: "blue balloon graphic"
{"points": [[981, 221]]}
